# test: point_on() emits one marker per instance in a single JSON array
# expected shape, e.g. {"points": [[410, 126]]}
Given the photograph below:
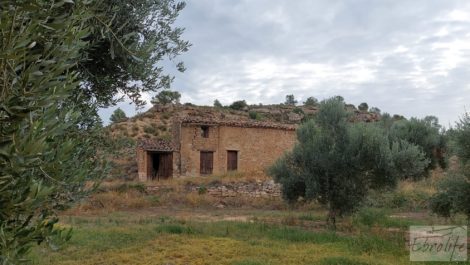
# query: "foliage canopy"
{"points": [[59, 62], [127, 42], [453, 194], [311, 101], [290, 100], [336, 162], [167, 97], [238, 105], [424, 133], [118, 116]]}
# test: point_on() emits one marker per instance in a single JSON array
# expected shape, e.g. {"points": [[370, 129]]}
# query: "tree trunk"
{"points": [[331, 220]]}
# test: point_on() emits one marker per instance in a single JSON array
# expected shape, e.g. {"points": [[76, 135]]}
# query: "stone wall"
{"points": [[257, 148], [255, 189], [141, 155]]}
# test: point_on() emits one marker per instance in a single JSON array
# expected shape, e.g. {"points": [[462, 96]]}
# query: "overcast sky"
{"points": [[405, 57]]}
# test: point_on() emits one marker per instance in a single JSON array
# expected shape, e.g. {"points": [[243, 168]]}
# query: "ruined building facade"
{"points": [[205, 147]]}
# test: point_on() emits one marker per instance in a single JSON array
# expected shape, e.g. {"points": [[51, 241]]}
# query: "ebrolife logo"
{"points": [[438, 243]]}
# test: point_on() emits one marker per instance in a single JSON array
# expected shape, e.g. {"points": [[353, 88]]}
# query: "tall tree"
{"points": [[118, 116], [363, 106], [128, 41], [453, 195], [311, 101], [238, 105], [337, 162], [290, 100], [425, 133], [166, 97], [60, 61], [217, 104]]}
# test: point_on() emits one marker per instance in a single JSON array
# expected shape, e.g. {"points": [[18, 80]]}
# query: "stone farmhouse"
{"points": [[201, 146]]}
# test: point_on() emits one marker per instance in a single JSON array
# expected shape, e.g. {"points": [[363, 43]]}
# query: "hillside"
{"points": [[156, 123]]}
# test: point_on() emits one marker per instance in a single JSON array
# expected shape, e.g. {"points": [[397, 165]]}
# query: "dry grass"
{"points": [[120, 195], [426, 186], [253, 176]]}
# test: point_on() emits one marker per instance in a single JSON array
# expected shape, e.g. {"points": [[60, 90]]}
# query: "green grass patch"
{"points": [[341, 261], [370, 217], [175, 229], [119, 239]]}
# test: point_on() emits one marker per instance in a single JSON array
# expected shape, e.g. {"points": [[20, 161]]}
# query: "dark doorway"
{"points": [[160, 165], [232, 160], [207, 162]]}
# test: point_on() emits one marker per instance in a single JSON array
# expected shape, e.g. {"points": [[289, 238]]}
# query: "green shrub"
{"points": [[202, 190], [253, 114], [453, 196], [298, 110], [398, 200], [150, 130], [370, 217], [174, 229]]}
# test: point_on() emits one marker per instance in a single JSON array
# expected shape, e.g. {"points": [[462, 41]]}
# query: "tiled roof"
{"points": [[156, 145], [238, 123]]}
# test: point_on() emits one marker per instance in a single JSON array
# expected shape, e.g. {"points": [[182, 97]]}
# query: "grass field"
{"points": [[143, 238], [123, 224]]}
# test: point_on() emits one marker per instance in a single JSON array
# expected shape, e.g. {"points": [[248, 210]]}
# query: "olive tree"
{"points": [[60, 61], [127, 44], [453, 194], [336, 162], [425, 133], [43, 130]]}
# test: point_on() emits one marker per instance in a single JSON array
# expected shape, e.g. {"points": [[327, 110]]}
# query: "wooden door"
{"points": [[207, 162], [165, 169], [232, 160]]}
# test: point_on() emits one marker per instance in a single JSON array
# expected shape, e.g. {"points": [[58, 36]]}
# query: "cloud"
{"points": [[406, 57]]}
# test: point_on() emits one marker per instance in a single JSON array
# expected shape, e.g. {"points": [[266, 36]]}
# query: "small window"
{"points": [[205, 131]]}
